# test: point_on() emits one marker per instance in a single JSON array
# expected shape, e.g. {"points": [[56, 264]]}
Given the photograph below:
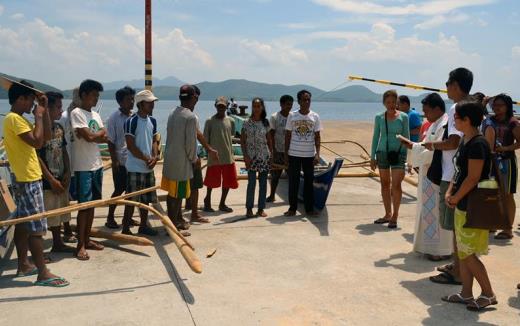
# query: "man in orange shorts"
{"points": [[218, 132]]}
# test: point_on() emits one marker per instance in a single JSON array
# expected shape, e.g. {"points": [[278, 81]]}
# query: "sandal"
{"points": [[85, 256], [290, 213], [475, 306], [112, 224], [381, 220], [261, 213], [446, 268], [33, 271], [57, 282], [225, 209], [437, 257], [198, 219], [445, 278], [503, 236], [392, 225], [457, 298], [63, 249], [208, 209], [70, 238], [183, 225], [93, 245]]}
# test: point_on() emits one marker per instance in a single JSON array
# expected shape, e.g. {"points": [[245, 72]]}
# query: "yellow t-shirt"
{"points": [[22, 156]]}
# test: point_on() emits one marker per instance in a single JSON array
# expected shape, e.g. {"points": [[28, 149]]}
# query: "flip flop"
{"points": [[289, 213], [445, 278], [261, 213], [208, 209], [392, 225], [503, 236], [199, 219], [382, 220], [92, 245], [225, 209], [50, 282], [70, 239], [112, 225], [33, 271], [446, 268]]}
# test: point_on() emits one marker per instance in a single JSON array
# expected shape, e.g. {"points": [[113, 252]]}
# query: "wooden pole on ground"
{"points": [[76, 207], [118, 237]]}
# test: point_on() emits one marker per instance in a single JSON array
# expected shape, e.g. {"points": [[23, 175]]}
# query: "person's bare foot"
{"points": [[82, 254], [196, 218], [25, 269]]}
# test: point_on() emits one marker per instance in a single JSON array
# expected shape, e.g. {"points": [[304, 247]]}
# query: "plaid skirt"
{"points": [[136, 181]]}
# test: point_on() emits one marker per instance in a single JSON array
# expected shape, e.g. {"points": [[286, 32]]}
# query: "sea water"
{"points": [[328, 111]]}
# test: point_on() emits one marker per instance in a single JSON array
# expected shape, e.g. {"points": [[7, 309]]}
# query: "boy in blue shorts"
{"points": [[88, 131]]}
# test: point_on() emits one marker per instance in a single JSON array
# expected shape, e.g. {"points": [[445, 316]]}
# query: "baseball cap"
{"points": [[186, 91], [145, 95], [221, 100]]}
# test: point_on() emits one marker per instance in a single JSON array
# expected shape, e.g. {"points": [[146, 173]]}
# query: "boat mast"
{"points": [[148, 45]]}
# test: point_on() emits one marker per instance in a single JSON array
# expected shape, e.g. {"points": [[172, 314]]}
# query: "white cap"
{"points": [[145, 95]]}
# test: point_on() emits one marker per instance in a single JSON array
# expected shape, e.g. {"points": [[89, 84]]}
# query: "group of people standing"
{"points": [[454, 156], [57, 159]]}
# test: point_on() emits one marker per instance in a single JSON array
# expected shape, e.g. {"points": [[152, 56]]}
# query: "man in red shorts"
{"points": [[218, 132]]}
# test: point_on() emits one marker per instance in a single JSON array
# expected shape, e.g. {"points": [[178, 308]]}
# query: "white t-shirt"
{"points": [[448, 169], [303, 129], [85, 155]]}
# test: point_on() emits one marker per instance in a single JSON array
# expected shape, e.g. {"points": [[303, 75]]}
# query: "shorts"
{"points": [[176, 189], [382, 161], [469, 241], [89, 185], [73, 194], [139, 181], [221, 175], [119, 179], [196, 182], [446, 214], [55, 201], [29, 200]]}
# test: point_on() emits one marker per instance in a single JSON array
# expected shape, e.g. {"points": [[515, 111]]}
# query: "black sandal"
{"points": [[392, 225], [381, 220], [444, 278]]}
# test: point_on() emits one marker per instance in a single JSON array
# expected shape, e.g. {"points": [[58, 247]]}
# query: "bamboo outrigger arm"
{"points": [[413, 86]]}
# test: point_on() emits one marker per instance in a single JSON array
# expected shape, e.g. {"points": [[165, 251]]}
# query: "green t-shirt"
{"points": [[218, 134], [398, 126]]}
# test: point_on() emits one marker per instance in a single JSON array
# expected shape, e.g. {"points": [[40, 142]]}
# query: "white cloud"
{"points": [[515, 51], [426, 8], [17, 16], [440, 20], [256, 52], [50, 51], [298, 26]]}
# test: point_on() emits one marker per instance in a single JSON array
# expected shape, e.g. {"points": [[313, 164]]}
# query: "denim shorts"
{"points": [[89, 185], [382, 161]]}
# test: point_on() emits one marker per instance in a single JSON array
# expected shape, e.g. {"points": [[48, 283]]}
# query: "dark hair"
{"points": [[18, 90], [472, 110], [89, 85], [463, 77], [404, 99], [301, 93], [509, 103], [124, 92], [197, 89], [263, 116], [53, 98], [391, 92], [434, 100], [286, 99]]}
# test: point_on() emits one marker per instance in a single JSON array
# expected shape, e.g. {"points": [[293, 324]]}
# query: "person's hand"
{"points": [[247, 160], [39, 111], [56, 186], [316, 159], [451, 201], [213, 154], [428, 146], [500, 149], [373, 165], [151, 162], [43, 101]]}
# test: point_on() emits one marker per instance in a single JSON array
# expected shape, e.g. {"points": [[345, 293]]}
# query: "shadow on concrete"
{"points": [[441, 313], [175, 278], [514, 302], [78, 294], [408, 237], [371, 228], [499, 243], [411, 262]]}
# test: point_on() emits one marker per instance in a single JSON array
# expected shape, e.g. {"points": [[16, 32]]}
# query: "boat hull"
{"points": [[322, 184]]}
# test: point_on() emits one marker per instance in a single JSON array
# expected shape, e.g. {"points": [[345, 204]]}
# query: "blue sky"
{"points": [[316, 42]]}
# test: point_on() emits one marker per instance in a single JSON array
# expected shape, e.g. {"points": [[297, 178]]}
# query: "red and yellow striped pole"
{"points": [[413, 86], [148, 45]]}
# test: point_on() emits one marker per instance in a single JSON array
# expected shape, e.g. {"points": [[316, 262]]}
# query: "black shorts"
{"points": [[197, 181], [119, 179]]}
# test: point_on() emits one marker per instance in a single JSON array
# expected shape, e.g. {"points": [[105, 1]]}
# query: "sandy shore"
{"points": [[338, 269]]}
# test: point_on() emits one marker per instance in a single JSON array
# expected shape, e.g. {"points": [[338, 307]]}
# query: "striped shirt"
{"points": [[303, 129]]}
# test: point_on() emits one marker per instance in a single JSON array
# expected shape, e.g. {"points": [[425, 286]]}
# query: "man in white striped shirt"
{"points": [[302, 152]]}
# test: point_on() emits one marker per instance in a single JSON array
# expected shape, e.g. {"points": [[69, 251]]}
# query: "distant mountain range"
{"points": [[41, 86], [239, 89]]}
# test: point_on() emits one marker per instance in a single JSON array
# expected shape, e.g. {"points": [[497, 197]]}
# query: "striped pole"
{"points": [[148, 45], [413, 86]]}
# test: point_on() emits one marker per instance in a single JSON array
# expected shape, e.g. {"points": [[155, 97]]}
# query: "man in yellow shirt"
{"points": [[21, 140]]}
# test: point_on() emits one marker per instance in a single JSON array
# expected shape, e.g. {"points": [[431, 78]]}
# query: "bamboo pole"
{"points": [[119, 237], [413, 86], [76, 207], [164, 219]]}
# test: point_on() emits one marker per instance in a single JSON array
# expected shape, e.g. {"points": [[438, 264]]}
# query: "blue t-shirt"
{"points": [[143, 131], [415, 121]]}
